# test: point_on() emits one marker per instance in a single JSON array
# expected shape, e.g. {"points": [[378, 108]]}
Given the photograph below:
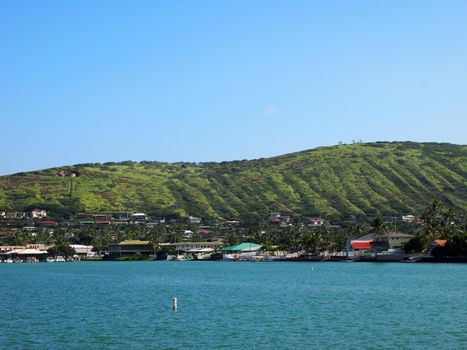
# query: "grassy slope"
{"points": [[388, 178]]}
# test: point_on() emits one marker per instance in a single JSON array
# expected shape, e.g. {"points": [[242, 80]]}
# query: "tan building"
{"points": [[130, 247], [394, 239]]}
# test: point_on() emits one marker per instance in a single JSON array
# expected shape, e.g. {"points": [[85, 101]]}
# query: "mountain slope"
{"points": [[387, 178]]}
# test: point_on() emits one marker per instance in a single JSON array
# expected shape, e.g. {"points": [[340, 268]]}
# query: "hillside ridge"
{"points": [[387, 178]]}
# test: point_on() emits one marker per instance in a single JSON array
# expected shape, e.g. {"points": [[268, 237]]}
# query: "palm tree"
{"points": [[379, 228], [431, 215]]}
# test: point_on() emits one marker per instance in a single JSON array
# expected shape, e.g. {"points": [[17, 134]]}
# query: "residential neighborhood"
{"points": [[36, 236]]}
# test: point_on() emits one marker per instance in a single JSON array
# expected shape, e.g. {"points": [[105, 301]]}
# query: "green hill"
{"points": [[359, 179]]}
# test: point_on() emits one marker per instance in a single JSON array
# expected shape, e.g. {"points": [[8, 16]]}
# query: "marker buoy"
{"points": [[174, 304]]}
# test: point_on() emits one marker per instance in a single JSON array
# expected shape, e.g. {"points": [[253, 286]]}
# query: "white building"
{"points": [[83, 250], [186, 246], [38, 213], [139, 218], [316, 221], [408, 218], [194, 220]]}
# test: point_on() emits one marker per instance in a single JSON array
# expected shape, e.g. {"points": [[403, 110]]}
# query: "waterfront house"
{"points": [[83, 250], [245, 247], [186, 246], [8, 248], [242, 251], [437, 243], [23, 253], [130, 247], [394, 240]]}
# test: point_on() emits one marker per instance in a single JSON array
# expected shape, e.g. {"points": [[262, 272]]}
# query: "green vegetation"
{"points": [[440, 223], [361, 179]]}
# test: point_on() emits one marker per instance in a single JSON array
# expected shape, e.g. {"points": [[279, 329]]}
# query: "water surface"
{"points": [[127, 305]]}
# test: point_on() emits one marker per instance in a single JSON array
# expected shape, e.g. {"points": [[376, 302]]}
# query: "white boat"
{"points": [[60, 259], [50, 259], [231, 257]]}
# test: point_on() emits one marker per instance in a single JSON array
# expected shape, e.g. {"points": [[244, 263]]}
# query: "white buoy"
{"points": [[174, 304]]}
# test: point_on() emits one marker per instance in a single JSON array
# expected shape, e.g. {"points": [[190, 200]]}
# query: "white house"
{"points": [[139, 218], [38, 213], [186, 246], [83, 250], [194, 220]]}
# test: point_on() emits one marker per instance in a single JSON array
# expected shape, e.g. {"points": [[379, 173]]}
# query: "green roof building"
{"points": [[245, 247]]}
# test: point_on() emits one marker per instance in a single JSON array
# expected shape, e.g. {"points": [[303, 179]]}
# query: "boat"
{"points": [[230, 257], [179, 257]]}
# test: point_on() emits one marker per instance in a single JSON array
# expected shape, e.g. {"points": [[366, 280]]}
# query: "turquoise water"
{"points": [[228, 305]]}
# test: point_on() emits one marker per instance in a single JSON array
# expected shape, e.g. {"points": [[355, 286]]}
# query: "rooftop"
{"points": [[247, 246], [386, 235], [134, 242]]}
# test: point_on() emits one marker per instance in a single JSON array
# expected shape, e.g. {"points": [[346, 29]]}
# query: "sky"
{"points": [[98, 81]]}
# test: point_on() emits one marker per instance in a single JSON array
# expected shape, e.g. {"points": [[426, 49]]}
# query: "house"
{"points": [[390, 240], [232, 222], [245, 247], [408, 218], [186, 246], [102, 222], [187, 233], [49, 223], [274, 218], [83, 250], [8, 232], [38, 246], [101, 216], [8, 248], [139, 218], [15, 215], [86, 222], [316, 221], [130, 247], [194, 220], [278, 218], [38, 213], [121, 215], [68, 173], [437, 243]]}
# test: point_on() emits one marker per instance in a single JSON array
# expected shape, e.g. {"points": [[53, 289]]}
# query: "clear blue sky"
{"points": [[97, 81]]}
